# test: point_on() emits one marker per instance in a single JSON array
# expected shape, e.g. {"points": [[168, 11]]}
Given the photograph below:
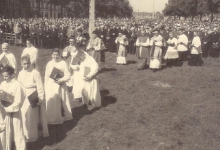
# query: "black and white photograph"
{"points": [[109, 75]]}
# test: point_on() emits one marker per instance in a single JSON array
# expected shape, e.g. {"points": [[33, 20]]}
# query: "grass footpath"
{"points": [[173, 109]]}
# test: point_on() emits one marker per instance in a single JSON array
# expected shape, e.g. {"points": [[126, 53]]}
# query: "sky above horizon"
{"points": [[147, 5]]}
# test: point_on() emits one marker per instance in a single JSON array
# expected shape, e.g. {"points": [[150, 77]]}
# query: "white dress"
{"points": [[57, 101], [32, 117], [91, 89], [172, 52], [78, 82], [13, 120], [156, 55], [122, 50]]}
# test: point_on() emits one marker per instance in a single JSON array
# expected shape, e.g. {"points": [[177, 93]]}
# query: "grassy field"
{"points": [[173, 109]]}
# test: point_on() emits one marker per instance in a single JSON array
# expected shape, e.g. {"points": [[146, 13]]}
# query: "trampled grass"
{"points": [[173, 109]]}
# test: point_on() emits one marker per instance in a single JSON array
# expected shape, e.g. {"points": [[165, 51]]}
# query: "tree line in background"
{"points": [[192, 8], [76, 8]]}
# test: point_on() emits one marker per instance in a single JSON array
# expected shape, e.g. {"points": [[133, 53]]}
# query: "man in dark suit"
{"points": [[62, 37], [53, 36], [206, 43], [25, 34], [46, 37], [214, 44], [114, 35], [102, 34], [109, 40], [39, 32], [189, 35]]}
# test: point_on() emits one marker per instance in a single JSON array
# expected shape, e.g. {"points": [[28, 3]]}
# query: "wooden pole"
{"points": [[153, 10], [91, 17]]}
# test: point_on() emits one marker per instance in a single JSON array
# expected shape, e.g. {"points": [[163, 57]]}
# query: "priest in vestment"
{"points": [[143, 50]]}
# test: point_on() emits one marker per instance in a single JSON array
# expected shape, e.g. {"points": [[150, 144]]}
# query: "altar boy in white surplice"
{"points": [[57, 101], [32, 116], [12, 113]]}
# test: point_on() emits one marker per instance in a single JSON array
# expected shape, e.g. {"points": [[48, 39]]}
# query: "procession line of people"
{"points": [[21, 121]]}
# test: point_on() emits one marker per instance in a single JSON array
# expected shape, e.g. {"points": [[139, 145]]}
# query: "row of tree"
{"points": [[75, 8], [192, 8]]}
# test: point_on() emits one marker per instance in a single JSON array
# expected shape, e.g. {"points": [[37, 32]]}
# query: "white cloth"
{"points": [[32, 117], [122, 51], [13, 119], [11, 59], [57, 99], [33, 53], [196, 42], [182, 39], [155, 61], [88, 90], [95, 43], [171, 52], [69, 49], [91, 89]]}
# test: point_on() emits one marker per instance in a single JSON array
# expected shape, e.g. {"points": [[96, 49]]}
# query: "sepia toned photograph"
{"points": [[109, 75]]}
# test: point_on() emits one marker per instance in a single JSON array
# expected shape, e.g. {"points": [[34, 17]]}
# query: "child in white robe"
{"points": [[13, 120], [32, 52], [11, 58], [32, 118], [90, 88], [57, 101]]}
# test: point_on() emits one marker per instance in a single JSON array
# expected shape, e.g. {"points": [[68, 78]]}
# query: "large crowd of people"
{"points": [[72, 73]]}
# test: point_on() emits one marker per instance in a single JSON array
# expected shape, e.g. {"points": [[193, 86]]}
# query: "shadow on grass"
{"points": [[106, 99], [107, 70], [131, 62], [57, 133]]}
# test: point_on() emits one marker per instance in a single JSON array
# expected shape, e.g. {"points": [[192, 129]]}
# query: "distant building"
{"points": [[147, 15], [31, 8], [47, 10]]}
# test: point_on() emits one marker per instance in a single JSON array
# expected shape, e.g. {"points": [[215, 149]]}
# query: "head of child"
{"points": [[56, 55], [8, 73], [29, 43], [5, 47], [25, 62]]}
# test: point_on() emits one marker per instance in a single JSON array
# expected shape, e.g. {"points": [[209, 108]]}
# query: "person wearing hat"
{"points": [[156, 50], [122, 48], [95, 46], [143, 50], [182, 47]]}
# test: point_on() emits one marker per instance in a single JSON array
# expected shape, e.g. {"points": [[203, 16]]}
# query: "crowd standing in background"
{"points": [[72, 72]]}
